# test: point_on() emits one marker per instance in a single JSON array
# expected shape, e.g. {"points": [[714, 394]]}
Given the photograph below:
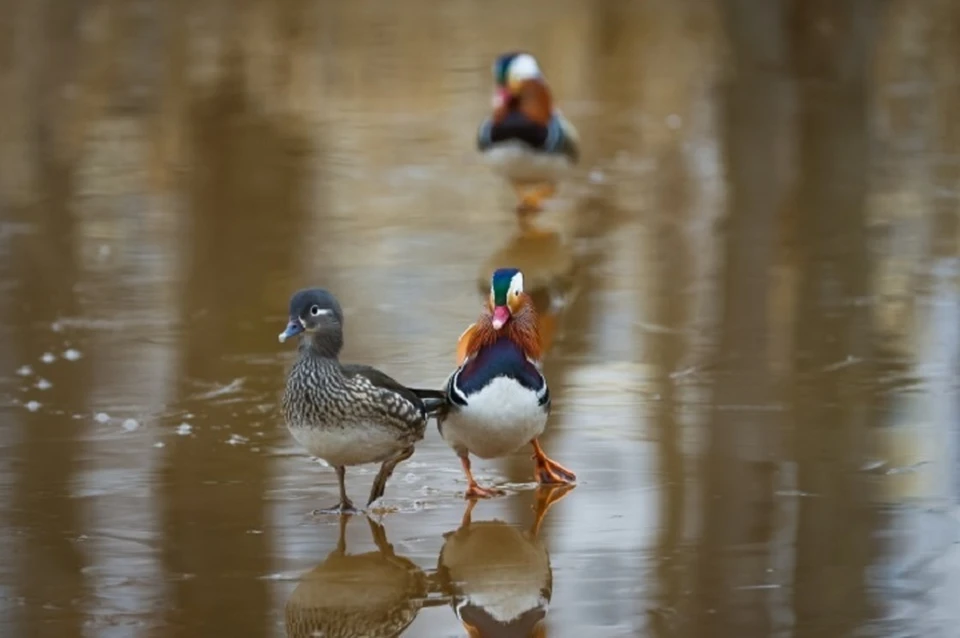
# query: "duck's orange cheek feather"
{"points": [[463, 342]]}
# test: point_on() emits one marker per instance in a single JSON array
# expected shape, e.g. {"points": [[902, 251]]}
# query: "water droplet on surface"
{"points": [[184, 429], [159, 444], [43, 384], [101, 417], [33, 406], [236, 439], [48, 357], [24, 371], [71, 354], [130, 425]]}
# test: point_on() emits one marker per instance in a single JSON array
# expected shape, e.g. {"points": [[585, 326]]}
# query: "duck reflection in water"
{"points": [[372, 595], [497, 575], [550, 271]]}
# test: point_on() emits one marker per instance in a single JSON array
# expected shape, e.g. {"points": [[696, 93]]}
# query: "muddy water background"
{"points": [[756, 382]]}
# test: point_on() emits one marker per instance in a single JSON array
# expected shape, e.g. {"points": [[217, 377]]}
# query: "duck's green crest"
{"points": [[501, 282]]}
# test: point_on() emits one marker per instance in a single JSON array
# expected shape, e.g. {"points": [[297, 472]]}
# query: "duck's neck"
{"points": [[536, 101], [327, 344], [522, 328]]}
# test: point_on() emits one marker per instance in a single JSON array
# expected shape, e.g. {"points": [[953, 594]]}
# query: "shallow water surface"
{"points": [[751, 288]]}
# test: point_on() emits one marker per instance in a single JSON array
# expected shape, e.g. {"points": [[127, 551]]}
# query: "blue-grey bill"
{"points": [[293, 329]]}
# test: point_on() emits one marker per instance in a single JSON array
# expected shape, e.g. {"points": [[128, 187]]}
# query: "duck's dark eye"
{"points": [[315, 310]]}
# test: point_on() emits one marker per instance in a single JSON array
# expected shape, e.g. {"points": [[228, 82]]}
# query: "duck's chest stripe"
{"points": [[500, 360]]}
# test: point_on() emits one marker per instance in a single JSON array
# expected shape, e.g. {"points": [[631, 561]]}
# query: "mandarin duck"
{"points": [[526, 139], [347, 414], [497, 398], [498, 576], [376, 594], [550, 273]]}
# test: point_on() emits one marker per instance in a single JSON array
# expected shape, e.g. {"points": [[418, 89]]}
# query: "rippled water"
{"points": [[756, 321]]}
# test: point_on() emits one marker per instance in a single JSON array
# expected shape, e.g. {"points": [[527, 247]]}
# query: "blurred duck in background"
{"points": [[526, 139]]}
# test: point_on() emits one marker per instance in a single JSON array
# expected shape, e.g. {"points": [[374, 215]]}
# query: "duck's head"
{"points": [[313, 310], [506, 295], [510, 71]]}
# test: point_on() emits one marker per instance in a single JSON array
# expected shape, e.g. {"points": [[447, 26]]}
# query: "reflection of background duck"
{"points": [[377, 594], [498, 575], [549, 268]]}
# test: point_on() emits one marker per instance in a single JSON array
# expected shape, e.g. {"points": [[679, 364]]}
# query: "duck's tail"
{"points": [[434, 401]]}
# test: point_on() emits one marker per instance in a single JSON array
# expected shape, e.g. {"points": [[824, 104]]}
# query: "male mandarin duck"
{"points": [[375, 594], [526, 138], [498, 576], [497, 398], [347, 414]]}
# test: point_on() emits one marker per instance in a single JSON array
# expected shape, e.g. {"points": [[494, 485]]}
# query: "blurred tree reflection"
{"points": [[832, 48], [739, 478], [246, 197]]}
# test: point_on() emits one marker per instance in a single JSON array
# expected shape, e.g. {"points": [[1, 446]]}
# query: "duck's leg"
{"points": [[547, 497], [473, 488], [549, 472], [468, 514], [386, 471], [345, 506], [342, 538], [380, 538]]}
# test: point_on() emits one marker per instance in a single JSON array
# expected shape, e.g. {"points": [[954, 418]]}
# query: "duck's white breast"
{"points": [[497, 421], [519, 162], [353, 444]]}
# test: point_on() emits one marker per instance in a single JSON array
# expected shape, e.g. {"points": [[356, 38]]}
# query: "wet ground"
{"points": [[754, 289]]}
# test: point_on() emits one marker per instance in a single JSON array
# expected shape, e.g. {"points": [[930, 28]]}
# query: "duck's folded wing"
{"points": [[399, 400], [485, 134], [562, 137]]}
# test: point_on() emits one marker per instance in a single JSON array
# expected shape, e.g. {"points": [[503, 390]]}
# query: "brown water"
{"points": [[755, 368]]}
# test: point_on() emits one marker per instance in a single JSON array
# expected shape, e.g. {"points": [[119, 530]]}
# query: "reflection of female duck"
{"points": [[549, 272], [499, 576], [370, 595]]}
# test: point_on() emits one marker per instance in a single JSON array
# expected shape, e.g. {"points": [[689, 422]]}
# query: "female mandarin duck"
{"points": [[347, 414], [498, 399], [526, 138]]}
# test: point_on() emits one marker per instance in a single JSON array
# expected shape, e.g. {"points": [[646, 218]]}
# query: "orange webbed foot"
{"points": [[531, 199], [475, 491], [548, 471], [473, 488]]}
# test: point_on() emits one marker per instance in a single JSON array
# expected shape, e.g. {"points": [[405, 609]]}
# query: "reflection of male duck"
{"points": [[549, 269], [498, 576], [377, 594]]}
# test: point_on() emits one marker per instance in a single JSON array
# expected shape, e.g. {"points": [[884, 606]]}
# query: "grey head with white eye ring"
{"points": [[315, 312]]}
